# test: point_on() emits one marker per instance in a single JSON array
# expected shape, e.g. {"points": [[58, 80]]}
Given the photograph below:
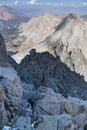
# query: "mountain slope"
{"points": [[35, 31], [70, 43]]}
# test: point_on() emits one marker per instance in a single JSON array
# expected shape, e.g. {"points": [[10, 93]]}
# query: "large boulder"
{"points": [[49, 123], [23, 123], [65, 123], [52, 103], [75, 106]]}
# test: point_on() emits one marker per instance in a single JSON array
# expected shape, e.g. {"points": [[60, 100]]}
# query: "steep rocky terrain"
{"points": [[30, 34], [43, 69], [10, 88], [70, 42], [54, 96], [40, 107], [41, 73]]}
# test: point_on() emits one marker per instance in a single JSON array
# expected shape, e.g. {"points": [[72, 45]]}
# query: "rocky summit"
{"points": [[69, 42]]}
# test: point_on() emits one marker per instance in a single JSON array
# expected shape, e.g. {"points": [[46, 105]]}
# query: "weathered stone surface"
{"points": [[43, 69], [10, 94], [75, 106], [49, 123], [11, 85], [23, 123], [64, 122], [52, 103], [80, 119]]}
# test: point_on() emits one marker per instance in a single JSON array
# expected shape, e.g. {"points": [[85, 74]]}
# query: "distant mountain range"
{"points": [[84, 16], [9, 22]]}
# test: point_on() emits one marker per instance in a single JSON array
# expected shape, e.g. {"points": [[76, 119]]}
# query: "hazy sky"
{"points": [[54, 2], [39, 7]]}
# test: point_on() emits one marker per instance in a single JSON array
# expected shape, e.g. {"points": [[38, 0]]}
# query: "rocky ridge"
{"points": [[69, 42]]}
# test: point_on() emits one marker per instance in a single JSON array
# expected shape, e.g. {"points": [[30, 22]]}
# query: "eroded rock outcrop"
{"points": [[10, 88], [11, 94], [43, 69]]}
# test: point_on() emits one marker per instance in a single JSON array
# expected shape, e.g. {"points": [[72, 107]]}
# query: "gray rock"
{"points": [[52, 103], [10, 94], [43, 69], [23, 123], [49, 123], [80, 119], [64, 122], [74, 106]]}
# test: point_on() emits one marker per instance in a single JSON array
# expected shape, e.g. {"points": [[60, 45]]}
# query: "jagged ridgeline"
{"points": [[43, 69]]}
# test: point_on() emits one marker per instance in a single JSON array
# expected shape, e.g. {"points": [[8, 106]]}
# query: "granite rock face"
{"points": [[43, 69]]}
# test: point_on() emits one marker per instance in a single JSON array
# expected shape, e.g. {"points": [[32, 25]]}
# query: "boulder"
{"points": [[52, 103], [23, 123], [74, 106], [49, 123], [80, 119], [64, 122]]}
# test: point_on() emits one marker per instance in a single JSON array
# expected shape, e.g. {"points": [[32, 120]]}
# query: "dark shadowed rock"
{"points": [[43, 69], [2, 46]]}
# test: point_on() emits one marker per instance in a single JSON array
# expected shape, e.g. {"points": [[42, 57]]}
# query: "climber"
{"points": [[32, 102]]}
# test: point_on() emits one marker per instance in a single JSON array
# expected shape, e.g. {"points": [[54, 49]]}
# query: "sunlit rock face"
{"points": [[70, 42]]}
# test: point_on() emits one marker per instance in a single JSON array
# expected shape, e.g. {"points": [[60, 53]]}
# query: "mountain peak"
{"points": [[71, 18], [6, 13]]}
